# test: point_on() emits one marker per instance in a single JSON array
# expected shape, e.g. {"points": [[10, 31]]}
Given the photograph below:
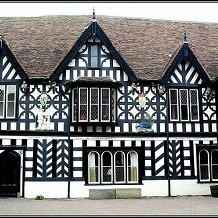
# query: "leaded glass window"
{"points": [[107, 169], [214, 167], [173, 105], [93, 167], [114, 166], [184, 105], [7, 101], [132, 166], [204, 165], [194, 104], [119, 165], [208, 164], [83, 104], [93, 104], [2, 100], [105, 104]]}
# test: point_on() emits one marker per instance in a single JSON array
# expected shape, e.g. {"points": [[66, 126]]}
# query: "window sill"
{"points": [[86, 123]]}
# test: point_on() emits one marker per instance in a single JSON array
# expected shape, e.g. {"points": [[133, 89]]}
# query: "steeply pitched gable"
{"points": [[93, 29], [189, 60], [9, 61]]}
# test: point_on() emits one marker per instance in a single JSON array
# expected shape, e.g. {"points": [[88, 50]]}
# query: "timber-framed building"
{"points": [[97, 103]]}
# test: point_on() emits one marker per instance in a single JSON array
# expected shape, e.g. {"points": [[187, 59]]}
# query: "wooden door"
{"points": [[9, 173]]}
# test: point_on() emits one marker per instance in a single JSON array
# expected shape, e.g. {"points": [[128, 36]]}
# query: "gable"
{"points": [[10, 69], [109, 54], [185, 69], [104, 64], [185, 74]]}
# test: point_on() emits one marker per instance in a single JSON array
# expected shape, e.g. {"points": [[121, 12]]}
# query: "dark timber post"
{"points": [[167, 130], [69, 160]]}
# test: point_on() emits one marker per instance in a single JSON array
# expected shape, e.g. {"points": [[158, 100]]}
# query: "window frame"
{"points": [[209, 150], [76, 105], [112, 166], [6, 101], [189, 105]]}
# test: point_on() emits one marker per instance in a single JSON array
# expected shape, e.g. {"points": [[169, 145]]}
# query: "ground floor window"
{"points": [[208, 163], [105, 166]]}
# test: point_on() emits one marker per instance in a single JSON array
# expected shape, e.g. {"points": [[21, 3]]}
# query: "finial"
{"points": [[93, 15], [185, 37]]}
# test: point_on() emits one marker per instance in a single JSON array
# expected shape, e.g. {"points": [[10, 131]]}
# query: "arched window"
{"points": [[112, 167], [214, 167], [132, 166], [119, 167], [204, 165], [106, 166], [93, 167]]}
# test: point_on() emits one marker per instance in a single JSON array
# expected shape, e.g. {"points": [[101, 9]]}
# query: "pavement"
{"points": [[146, 206]]}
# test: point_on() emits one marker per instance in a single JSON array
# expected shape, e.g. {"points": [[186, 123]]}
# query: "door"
{"points": [[9, 173]]}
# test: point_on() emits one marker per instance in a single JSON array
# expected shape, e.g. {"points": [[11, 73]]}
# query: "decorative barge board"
{"points": [[104, 119]]}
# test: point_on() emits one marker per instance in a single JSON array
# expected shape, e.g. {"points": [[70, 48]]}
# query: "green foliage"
{"points": [[40, 197]]}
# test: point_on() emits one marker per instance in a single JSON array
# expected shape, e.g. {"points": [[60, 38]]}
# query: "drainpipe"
{"points": [[167, 130], [69, 161]]}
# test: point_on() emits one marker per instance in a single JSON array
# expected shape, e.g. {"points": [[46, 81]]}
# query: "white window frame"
{"points": [[177, 107], [213, 165], [83, 120], [93, 165], [102, 168], [6, 101], [3, 102], [109, 97], [208, 166], [191, 104], [115, 166], [90, 105], [129, 165], [187, 105], [74, 105]]}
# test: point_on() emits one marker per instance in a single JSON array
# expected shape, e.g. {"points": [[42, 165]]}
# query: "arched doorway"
{"points": [[9, 173]]}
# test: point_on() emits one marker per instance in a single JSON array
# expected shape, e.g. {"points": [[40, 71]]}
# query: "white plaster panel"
{"points": [[47, 189]]}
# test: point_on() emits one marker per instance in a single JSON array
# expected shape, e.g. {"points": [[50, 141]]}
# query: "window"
{"points": [[93, 104], [208, 164], [105, 167], [94, 56], [7, 101], [184, 105]]}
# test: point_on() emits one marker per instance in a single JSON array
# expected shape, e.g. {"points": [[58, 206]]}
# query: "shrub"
{"points": [[40, 197]]}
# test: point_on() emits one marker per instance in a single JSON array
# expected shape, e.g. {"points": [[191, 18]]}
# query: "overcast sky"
{"points": [[194, 11]]}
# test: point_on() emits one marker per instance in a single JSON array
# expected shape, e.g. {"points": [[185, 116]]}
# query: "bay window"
{"points": [[93, 104]]}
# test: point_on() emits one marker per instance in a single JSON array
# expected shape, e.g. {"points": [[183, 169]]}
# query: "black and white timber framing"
{"points": [[168, 156]]}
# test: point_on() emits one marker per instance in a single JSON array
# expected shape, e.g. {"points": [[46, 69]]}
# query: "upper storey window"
{"points": [[93, 104], [93, 99], [7, 101], [184, 105]]}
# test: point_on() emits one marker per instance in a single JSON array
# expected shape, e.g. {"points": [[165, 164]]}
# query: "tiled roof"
{"points": [[147, 45]]}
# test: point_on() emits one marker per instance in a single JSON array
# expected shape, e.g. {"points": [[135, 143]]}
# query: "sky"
{"points": [[202, 11]]}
